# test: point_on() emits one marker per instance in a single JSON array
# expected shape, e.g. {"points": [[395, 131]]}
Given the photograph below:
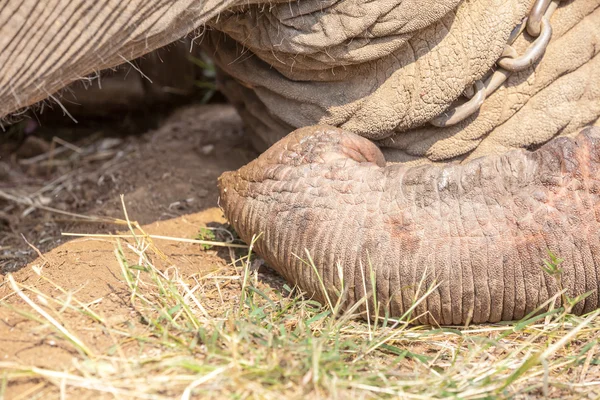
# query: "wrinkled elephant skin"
{"points": [[384, 69], [479, 231]]}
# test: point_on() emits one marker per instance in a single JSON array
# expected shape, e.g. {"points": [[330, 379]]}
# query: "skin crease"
{"points": [[479, 230]]}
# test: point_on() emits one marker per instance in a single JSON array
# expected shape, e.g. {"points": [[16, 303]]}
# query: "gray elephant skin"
{"points": [[380, 184]]}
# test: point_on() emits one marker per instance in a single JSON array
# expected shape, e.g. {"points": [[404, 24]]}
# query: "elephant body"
{"points": [[372, 181]]}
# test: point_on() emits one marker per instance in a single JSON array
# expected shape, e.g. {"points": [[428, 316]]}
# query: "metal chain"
{"points": [[537, 24]]}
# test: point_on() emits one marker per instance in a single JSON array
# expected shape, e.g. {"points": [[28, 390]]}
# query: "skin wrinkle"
{"points": [[11, 44], [412, 271], [578, 261], [397, 301], [44, 61], [480, 296], [302, 226], [549, 243], [526, 241], [594, 251], [319, 237], [347, 108], [478, 224], [288, 241], [498, 256], [327, 240], [49, 54], [459, 312], [444, 269], [275, 237], [510, 313], [8, 16], [334, 28], [449, 306], [437, 144], [522, 287], [515, 236], [565, 191], [470, 308], [546, 77], [443, 205], [436, 213], [397, 256], [354, 256], [580, 274], [495, 312], [572, 253]]}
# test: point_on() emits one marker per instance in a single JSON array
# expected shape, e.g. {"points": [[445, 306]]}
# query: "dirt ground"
{"points": [[168, 178], [164, 173]]}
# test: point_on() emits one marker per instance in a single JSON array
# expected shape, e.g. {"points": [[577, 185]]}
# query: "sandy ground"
{"points": [[168, 178]]}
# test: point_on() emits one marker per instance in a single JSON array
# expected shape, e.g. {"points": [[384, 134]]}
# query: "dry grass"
{"points": [[189, 342]]}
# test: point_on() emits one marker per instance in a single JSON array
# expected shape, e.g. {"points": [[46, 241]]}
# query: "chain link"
{"points": [[537, 24]]}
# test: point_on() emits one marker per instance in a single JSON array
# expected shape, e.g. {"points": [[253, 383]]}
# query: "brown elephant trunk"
{"points": [[477, 234]]}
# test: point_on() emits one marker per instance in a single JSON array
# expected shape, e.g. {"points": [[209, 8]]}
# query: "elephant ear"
{"points": [[45, 47]]}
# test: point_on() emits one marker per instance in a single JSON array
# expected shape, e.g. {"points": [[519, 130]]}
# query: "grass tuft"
{"points": [[206, 337]]}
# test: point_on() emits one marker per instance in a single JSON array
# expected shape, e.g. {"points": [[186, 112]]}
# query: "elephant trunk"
{"points": [[476, 233]]}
